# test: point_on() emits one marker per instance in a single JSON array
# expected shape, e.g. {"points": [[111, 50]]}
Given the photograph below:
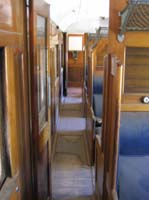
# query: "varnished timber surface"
{"points": [[72, 178]]}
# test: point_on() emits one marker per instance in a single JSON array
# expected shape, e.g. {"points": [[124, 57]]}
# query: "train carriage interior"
{"points": [[74, 100]]}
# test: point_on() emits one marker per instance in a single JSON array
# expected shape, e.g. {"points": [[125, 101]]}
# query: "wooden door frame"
{"points": [[65, 73], [35, 10], [13, 39]]}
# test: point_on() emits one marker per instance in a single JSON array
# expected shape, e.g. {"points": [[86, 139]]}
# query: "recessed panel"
{"points": [[137, 70]]}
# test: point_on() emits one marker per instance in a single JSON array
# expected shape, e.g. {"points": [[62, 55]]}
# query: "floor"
{"points": [[72, 177]]}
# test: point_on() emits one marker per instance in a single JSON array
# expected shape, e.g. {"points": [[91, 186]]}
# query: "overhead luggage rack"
{"points": [[102, 32], [135, 17]]}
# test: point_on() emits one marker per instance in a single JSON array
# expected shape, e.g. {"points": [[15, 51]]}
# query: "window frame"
{"points": [[76, 35], [3, 117]]}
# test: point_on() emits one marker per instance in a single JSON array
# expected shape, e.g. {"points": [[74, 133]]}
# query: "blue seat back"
{"points": [[97, 105], [97, 84], [134, 133]]}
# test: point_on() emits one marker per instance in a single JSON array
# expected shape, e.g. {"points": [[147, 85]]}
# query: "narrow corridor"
{"points": [[72, 177]]}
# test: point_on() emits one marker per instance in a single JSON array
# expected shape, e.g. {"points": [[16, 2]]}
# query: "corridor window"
{"points": [[75, 43], [3, 155], [42, 69]]}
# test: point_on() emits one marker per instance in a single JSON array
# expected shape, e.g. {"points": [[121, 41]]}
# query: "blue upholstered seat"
{"points": [[133, 178], [97, 95], [134, 133], [133, 172], [97, 105], [97, 84]]}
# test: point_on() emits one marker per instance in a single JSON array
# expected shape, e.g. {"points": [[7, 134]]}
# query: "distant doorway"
{"points": [[75, 60]]}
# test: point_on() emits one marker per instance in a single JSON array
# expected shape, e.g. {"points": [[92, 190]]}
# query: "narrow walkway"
{"points": [[72, 178]]}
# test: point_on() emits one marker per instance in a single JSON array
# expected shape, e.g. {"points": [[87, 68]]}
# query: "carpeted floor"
{"points": [[67, 124], [72, 178], [74, 92]]}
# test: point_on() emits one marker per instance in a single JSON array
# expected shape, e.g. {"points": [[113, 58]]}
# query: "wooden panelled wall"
{"points": [[131, 100], [56, 62], [136, 70], [89, 66], [28, 145], [40, 70], [76, 67], [132, 53], [99, 53], [94, 58], [17, 130]]}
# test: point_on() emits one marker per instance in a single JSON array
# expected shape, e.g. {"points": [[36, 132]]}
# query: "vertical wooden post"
{"points": [[65, 73]]}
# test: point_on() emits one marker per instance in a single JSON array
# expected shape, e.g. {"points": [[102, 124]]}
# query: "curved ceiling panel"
{"points": [[79, 15], [87, 25]]}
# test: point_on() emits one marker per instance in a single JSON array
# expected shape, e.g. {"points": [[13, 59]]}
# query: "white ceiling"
{"points": [[79, 16]]}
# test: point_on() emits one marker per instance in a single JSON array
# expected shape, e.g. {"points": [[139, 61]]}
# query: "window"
{"points": [[76, 43], [57, 61], [4, 167], [42, 70], [137, 70]]}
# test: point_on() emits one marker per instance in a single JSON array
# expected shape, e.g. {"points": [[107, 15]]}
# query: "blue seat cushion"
{"points": [[133, 178], [97, 84], [97, 105], [134, 133]]}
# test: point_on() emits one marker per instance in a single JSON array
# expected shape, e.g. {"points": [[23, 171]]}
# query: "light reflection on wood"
{"points": [[6, 12]]}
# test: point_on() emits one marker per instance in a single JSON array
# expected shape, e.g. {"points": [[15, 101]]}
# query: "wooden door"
{"points": [[75, 61], [39, 50], [15, 182]]}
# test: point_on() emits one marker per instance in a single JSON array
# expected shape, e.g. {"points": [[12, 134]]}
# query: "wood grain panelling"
{"points": [[90, 131], [56, 62], [100, 51], [39, 27], [43, 181], [13, 40], [137, 70], [99, 167], [114, 24], [76, 67], [132, 39], [75, 63], [56, 102], [75, 74], [55, 84], [89, 70], [90, 78], [111, 120], [99, 59], [10, 13]]}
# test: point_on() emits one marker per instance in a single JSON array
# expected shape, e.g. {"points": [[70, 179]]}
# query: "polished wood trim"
{"points": [[39, 140], [111, 123], [99, 167], [134, 108], [90, 131], [65, 76]]}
